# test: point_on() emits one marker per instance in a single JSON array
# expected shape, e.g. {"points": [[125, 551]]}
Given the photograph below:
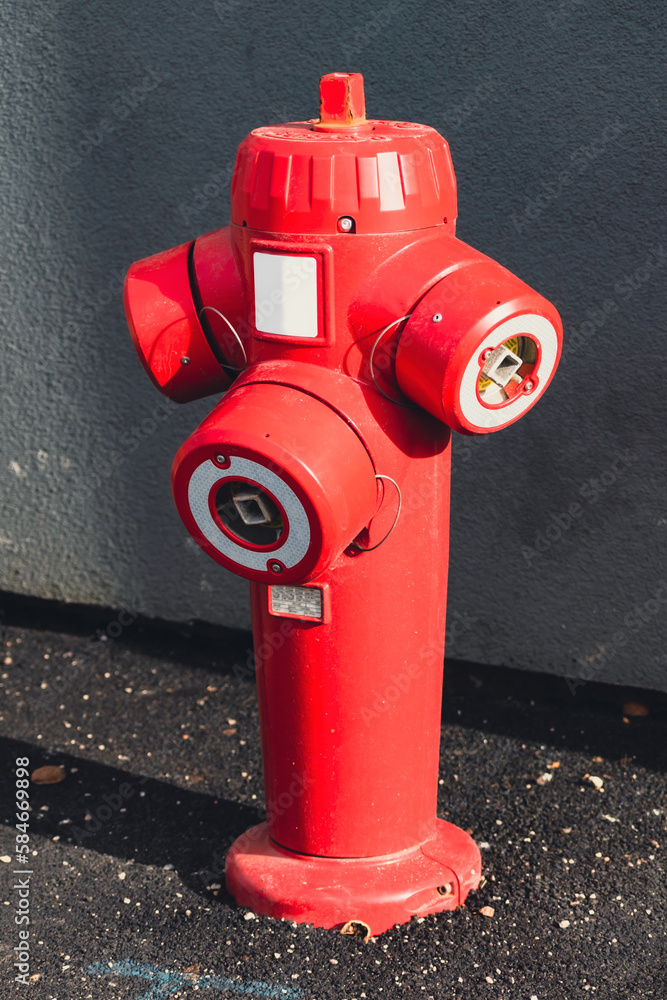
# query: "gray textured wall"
{"points": [[120, 125]]}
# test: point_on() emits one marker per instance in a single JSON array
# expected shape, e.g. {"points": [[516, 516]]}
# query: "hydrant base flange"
{"points": [[328, 892]]}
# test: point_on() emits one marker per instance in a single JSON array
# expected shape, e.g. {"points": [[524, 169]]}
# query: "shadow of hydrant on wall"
{"points": [[353, 333]]}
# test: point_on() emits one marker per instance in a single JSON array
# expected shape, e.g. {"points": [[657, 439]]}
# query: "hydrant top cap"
{"points": [[342, 102], [302, 177]]}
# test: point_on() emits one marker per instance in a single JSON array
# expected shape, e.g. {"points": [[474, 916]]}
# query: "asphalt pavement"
{"points": [[156, 731]]}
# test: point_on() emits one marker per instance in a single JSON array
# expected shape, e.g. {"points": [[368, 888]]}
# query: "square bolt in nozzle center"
{"points": [[501, 365], [253, 507]]}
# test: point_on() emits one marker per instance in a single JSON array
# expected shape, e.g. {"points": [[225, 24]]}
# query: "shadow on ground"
{"points": [[133, 817]]}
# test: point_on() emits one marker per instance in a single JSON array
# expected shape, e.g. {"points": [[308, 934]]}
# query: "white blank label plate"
{"points": [[286, 294]]}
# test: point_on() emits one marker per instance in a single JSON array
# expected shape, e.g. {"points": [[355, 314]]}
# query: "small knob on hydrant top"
{"points": [[342, 102]]}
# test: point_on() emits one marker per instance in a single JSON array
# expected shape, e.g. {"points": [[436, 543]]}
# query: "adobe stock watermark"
{"points": [[478, 96], [285, 800], [358, 37], [464, 446], [401, 682], [110, 805], [450, 291], [227, 8], [89, 310], [267, 304], [41, 16], [634, 621], [69, 672], [113, 629], [72, 669], [558, 524], [214, 189], [129, 442], [559, 12], [624, 289], [580, 160], [120, 109], [256, 658]]}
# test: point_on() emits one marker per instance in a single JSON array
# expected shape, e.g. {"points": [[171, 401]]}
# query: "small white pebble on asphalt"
{"points": [[276, 954], [249, 915], [484, 846], [334, 961], [598, 782], [545, 778], [564, 923], [121, 875], [489, 979], [128, 901], [610, 819], [167, 868], [533, 997], [6, 859]]}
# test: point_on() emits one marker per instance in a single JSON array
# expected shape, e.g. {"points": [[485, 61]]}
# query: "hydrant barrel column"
{"points": [[350, 705]]}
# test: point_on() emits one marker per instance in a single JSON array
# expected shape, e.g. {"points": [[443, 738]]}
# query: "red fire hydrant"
{"points": [[353, 332]]}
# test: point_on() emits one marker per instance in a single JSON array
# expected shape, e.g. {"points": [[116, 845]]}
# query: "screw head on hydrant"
{"points": [[351, 332]]}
